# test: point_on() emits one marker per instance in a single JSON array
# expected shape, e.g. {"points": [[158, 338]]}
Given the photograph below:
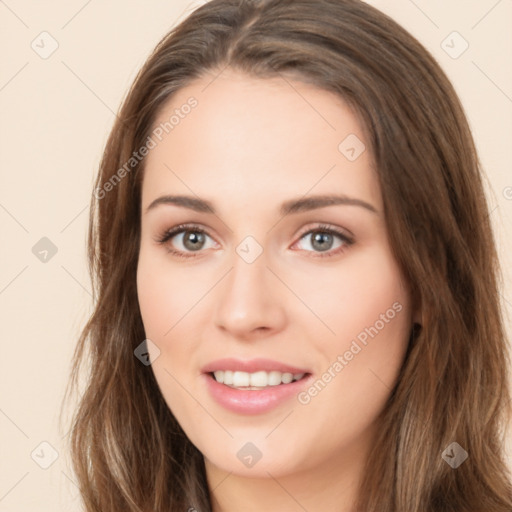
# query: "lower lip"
{"points": [[253, 401]]}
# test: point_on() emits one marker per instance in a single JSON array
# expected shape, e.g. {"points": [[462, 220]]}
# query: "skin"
{"points": [[248, 146]]}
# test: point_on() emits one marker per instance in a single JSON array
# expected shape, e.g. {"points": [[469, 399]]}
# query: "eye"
{"points": [[326, 240], [184, 239]]}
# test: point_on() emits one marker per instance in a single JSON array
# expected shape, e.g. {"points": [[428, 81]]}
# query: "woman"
{"points": [[296, 279]]}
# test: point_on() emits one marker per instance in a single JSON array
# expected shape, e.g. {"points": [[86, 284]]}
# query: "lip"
{"points": [[251, 402], [251, 366]]}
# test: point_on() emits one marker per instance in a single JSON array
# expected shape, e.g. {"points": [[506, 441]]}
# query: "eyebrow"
{"points": [[288, 207]]}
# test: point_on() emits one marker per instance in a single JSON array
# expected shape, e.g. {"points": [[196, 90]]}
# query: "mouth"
{"points": [[257, 380], [253, 386]]}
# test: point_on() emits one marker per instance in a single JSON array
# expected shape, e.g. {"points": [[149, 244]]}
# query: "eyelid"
{"points": [[180, 228], [322, 226], [346, 236]]}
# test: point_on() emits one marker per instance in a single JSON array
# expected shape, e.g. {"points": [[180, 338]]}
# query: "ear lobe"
{"points": [[415, 330], [417, 322], [417, 316]]}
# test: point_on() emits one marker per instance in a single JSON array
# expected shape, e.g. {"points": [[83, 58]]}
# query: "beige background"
{"points": [[55, 117]]}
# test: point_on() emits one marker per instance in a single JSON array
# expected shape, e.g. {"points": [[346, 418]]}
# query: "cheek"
{"points": [[165, 295], [174, 308], [165, 299], [372, 321], [352, 298]]}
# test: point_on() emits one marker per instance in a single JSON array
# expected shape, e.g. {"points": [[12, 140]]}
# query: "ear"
{"points": [[417, 322], [417, 316]]}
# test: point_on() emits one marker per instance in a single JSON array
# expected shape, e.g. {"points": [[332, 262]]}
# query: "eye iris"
{"points": [[193, 240], [322, 241]]}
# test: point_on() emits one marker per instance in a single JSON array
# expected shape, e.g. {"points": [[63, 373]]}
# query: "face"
{"points": [[265, 259]]}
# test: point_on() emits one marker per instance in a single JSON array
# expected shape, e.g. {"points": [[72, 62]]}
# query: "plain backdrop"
{"points": [[56, 112]]}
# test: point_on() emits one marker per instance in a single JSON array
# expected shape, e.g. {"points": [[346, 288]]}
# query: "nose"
{"points": [[249, 300]]}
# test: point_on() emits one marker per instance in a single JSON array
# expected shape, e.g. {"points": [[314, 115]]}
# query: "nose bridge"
{"points": [[249, 269], [247, 300]]}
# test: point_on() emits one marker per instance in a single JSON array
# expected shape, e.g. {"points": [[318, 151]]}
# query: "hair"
{"points": [[128, 451]]}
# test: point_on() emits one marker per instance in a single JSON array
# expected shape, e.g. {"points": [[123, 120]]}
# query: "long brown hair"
{"points": [[129, 453]]}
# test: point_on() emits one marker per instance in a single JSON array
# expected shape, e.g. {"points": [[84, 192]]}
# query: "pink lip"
{"points": [[252, 401], [252, 366]]}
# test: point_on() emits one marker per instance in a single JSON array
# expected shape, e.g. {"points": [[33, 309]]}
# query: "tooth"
{"points": [[286, 378], [259, 379], [240, 379], [274, 378], [228, 377]]}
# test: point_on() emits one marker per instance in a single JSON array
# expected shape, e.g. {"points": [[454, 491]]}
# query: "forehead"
{"points": [[258, 139]]}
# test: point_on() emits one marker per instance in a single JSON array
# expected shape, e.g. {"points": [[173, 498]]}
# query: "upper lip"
{"points": [[251, 366]]}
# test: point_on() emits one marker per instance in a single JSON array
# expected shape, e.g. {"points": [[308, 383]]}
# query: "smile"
{"points": [[253, 387], [254, 381]]}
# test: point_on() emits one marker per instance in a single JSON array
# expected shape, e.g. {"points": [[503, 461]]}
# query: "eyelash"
{"points": [[322, 228]]}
